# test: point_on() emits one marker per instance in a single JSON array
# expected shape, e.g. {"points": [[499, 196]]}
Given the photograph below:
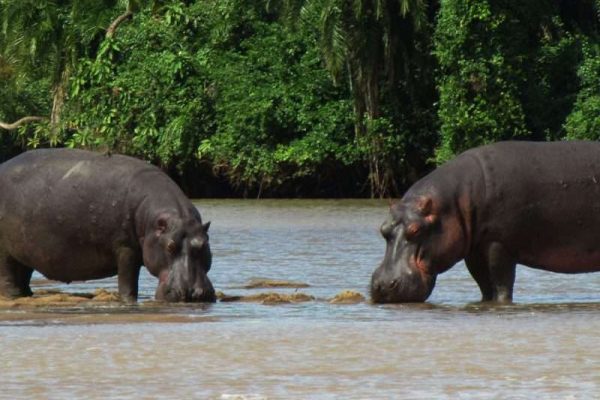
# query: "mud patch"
{"points": [[348, 297], [260, 283]]}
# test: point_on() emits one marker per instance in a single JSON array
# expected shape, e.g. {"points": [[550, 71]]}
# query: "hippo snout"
{"points": [[199, 293], [189, 296], [204, 293], [408, 287]]}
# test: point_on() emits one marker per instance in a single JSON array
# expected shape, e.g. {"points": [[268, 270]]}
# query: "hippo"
{"points": [[531, 203], [76, 215]]}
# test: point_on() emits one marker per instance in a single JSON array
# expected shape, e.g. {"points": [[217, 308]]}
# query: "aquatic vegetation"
{"points": [[268, 298], [105, 295], [56, 298], [347, 297]]}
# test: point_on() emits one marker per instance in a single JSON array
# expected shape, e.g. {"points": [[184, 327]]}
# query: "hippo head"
{"points": [[423, 240], [176, 250]]}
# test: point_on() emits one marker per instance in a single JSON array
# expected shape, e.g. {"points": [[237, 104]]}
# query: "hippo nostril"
{"points": [[394, 283], [377, 287], [199, 294]]}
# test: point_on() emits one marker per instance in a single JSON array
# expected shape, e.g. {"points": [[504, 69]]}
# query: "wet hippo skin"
{"points": [[78, 215], [531, 203]]}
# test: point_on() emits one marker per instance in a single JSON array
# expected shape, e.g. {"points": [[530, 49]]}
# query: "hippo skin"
{"points": [[77, 215], [531, 203]]}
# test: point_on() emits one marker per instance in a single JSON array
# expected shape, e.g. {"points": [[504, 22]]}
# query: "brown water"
{"points": [[544, 346]]}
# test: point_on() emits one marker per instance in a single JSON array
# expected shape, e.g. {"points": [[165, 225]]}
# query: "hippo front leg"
{"points": [[14, 278], [477, 266], [493, 268], [128, 264]]}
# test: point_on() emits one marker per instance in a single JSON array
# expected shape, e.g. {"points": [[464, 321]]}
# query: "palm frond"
{"points": [[416, 10], [333, 39]]}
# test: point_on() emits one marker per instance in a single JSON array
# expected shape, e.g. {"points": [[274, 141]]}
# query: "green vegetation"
{"points": [[296, 97]]}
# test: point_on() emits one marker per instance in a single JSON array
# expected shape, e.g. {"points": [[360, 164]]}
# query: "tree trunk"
{"points": [[365, 91], [377, 171], [58, 100]]}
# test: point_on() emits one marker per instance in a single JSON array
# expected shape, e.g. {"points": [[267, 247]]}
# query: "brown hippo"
{"points": [[535, 204], [78, 215]]}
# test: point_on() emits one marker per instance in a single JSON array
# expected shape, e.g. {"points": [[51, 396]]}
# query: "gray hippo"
{"points": [[77, 215], [535, 204]]}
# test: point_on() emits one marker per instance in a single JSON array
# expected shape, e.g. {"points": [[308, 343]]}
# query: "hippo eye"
{"points": [[197, 243], [412, 231], [171, 246]]}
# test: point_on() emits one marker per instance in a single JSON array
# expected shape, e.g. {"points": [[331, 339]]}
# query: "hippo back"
{"points": [[63, 206], [542, 200]]}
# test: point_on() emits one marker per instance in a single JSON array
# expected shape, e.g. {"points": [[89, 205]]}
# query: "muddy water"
{"points": [[545, 346]]}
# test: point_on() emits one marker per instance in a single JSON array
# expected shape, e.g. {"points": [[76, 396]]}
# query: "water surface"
{"points": [[544, 346]]}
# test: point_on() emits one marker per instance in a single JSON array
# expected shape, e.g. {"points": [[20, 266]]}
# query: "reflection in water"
{"points": [[451, 347]]}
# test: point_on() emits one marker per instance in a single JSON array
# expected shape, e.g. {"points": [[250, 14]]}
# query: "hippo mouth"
{"points": [[421, 265], [186, 296], [413, 287], [399, 295], [166, 291]]}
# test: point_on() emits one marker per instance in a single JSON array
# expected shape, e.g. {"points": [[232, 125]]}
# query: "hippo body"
{"points": [[79, 215], [531, 203]]}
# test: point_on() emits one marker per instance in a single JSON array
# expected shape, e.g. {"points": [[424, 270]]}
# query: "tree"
{"points": [[478, 81], [373, 45], [214, 83], [143, 93], [45, 39], [508, 70], [584, 120], [278, 116]]}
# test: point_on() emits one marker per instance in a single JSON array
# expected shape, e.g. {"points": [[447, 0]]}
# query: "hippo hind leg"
{"points": [[494, 271], [14, 278]]}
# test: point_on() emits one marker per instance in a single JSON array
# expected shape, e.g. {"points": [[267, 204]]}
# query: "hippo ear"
{"points": [[425, 205], [161, 224], [206, 226]]}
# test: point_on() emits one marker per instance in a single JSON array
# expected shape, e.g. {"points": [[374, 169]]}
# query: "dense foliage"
{"points": [[510, 71], [296, 97]]}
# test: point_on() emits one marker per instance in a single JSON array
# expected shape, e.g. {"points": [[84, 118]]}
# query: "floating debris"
{"points": [[348, 297], [53, 297], [269, 298], [260, 283], [105, 296], [220, 295], [56, 298]]}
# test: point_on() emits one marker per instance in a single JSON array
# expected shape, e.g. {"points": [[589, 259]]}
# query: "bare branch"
{"points": [[22, 121], [110, 32]]}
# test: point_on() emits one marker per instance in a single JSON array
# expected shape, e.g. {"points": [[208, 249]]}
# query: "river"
{"points": [[543, 346]]}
